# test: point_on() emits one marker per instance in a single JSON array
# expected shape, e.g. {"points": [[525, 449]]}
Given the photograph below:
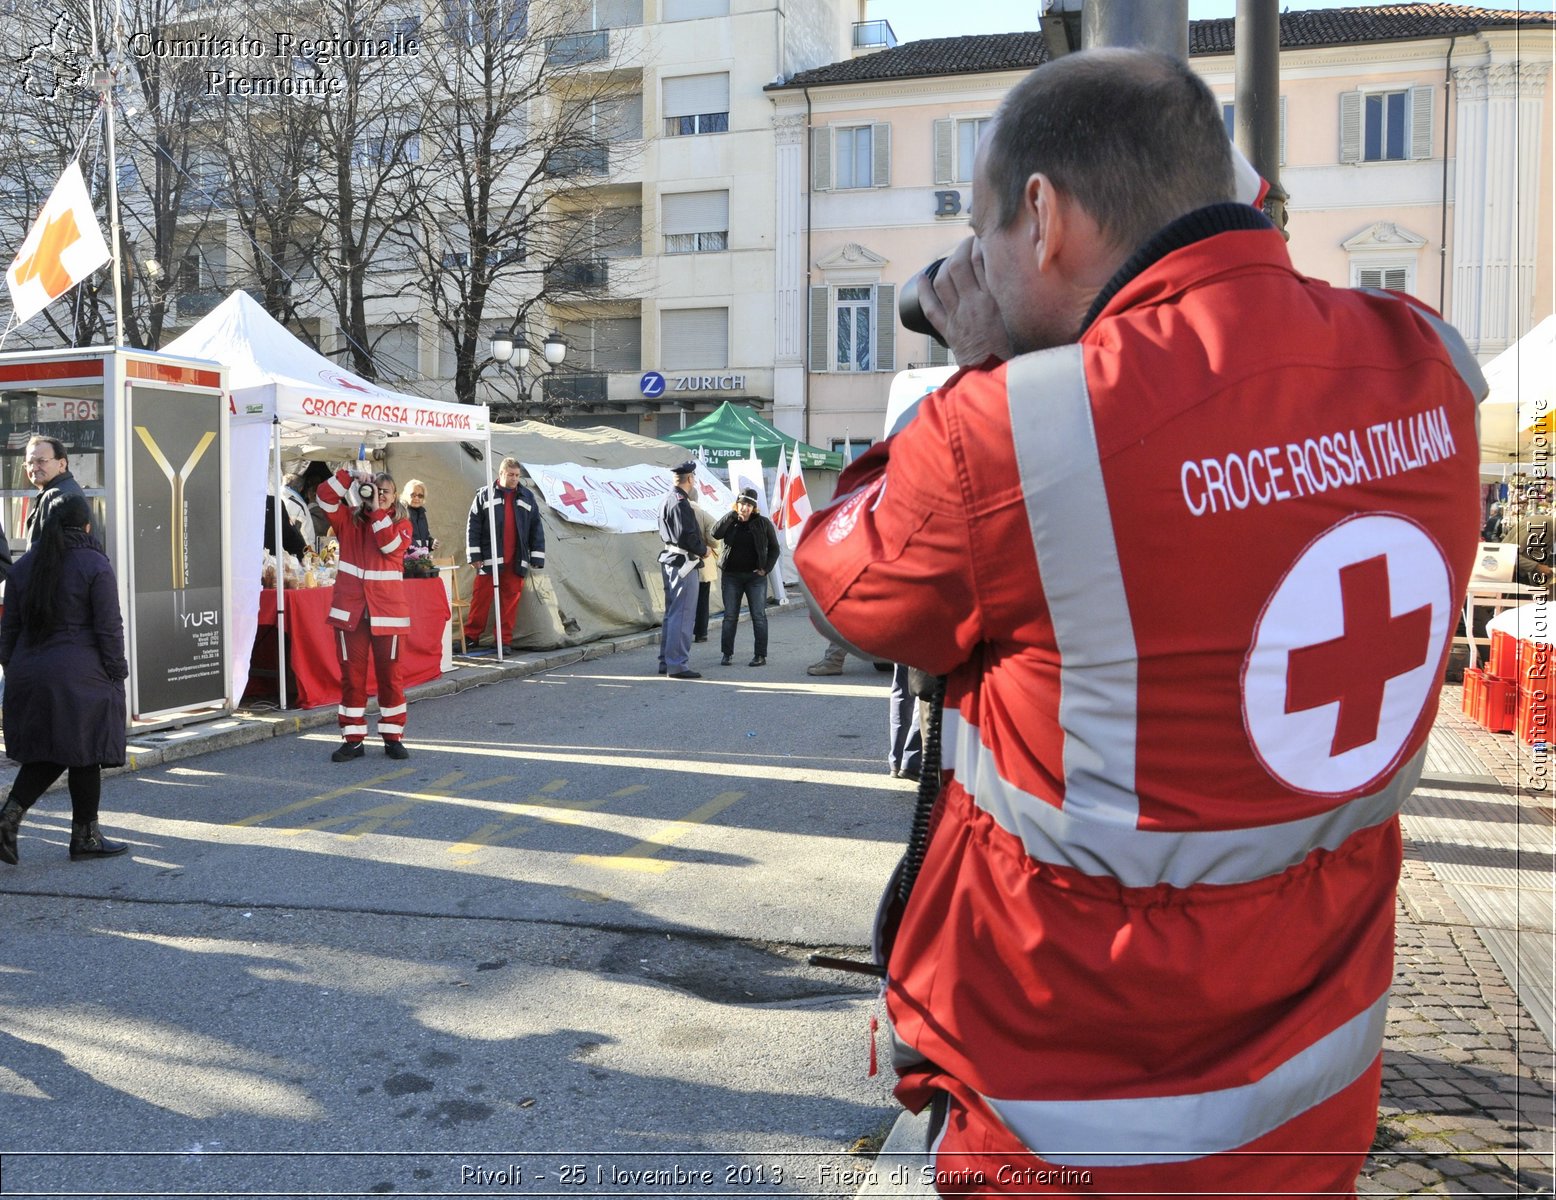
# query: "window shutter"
{"points": [[1396, 279], [1350, 127], [1421, 122], [821, 159], [690, 10], [689, 95], [615, 14], [1282, 159], [939, 355], [885, 327], [880, 169], [694, 338], [694, 212], [945, 151], [818, 329]]}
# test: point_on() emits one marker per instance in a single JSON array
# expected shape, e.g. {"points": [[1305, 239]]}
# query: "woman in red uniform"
{"points": [[369, 609]]}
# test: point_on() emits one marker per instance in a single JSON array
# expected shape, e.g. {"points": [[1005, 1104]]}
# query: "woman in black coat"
{"points": [[62, 647]]}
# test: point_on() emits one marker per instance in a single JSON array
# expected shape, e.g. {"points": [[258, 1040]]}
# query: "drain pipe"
{"points": [[805, 299], [1442, 237]]}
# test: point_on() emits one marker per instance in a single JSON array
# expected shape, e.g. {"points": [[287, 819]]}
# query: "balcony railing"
{"points": [[873, 35], [574, 389], [197, 304], [578, 160], [576, 49], [577, 275]]}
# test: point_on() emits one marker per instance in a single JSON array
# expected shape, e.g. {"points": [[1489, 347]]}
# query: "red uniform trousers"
{"points": [[481, 605], [353, 646]]}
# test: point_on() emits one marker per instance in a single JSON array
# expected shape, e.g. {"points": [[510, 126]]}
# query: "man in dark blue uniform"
{"points": [[678, 562]]}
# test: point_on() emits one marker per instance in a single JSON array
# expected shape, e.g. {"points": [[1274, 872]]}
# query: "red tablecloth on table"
{"points": [[314, 680]]}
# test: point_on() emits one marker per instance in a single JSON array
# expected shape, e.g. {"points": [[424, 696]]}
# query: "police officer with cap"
{"points": [[678, 561]]}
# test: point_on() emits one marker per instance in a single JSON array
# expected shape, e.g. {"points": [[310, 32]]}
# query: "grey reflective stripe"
{"points": [[1166, 1129], [1077, 560], [1453, 341], [1148, 857]]}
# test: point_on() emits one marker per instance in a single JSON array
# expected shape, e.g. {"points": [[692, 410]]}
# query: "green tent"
{"points": [[727, 432]]}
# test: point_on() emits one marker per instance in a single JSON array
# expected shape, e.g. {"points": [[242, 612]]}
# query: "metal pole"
{"points": [[1256, 118], [1147, 24], [104, 80], [275, 468]]}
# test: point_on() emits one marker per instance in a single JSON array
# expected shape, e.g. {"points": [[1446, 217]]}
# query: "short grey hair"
{"points": [[1134, 136]]}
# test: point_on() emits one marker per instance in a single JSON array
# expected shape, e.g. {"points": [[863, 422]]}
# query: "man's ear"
{"points": [[1049, 216]]}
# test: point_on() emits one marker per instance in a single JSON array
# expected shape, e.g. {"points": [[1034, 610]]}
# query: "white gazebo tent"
{"points": [[1522, 394], [287, 396]]}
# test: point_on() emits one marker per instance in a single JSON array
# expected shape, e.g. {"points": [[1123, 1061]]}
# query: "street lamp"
{"points": [[508, 350]]}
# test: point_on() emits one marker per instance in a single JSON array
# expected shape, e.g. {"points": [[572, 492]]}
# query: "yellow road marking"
{"points": [[288, 809], [371, 820], [540, 807], [643, 856]]}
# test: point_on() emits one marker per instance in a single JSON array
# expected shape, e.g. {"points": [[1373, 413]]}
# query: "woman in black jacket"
{"points": [[62, 647]]}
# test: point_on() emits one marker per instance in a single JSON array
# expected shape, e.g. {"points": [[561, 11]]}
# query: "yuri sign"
{"points": [[625, 499]]}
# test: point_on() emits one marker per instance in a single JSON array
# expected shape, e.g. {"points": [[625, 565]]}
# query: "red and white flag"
{"points": [[64, 246], [779, 506], [797, 503]]}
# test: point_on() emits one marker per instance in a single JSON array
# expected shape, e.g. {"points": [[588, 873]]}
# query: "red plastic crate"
{"points": [[1536, 708], [1474, 685], [1536, 662], [1504, 655], [1499, 705]]}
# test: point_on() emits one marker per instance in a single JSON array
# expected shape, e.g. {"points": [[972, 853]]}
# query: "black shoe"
{"points": [[703, 638], [908, 773], [346, 751], [10, 819], [395, 750], [759, 661], [87, 841], [663, 668], [685, 674], [724, 662]]}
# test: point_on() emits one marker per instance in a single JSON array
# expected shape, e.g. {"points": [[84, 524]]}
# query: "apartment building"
{"points": [[1416, 148]]}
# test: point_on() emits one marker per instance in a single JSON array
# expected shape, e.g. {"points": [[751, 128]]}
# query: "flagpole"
{"points": [[103, 78]]}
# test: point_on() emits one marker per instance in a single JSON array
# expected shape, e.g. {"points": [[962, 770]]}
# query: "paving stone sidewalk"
{"points": [[1467, 1105]]}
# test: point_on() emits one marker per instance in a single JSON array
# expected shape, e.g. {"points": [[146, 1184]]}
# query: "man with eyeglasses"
{"points": [[48, 469]]}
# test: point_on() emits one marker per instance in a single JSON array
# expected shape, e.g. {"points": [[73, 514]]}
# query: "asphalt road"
{"points": [[559, 951]]}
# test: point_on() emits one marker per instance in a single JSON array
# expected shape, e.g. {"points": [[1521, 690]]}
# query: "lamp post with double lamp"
{"points": [[509, 351]]}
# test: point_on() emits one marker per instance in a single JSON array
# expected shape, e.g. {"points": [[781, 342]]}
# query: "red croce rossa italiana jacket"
{"points": [[370, 576], [1192, 581]]}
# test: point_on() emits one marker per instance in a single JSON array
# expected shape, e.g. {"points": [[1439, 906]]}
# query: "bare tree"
{"points": [[527, 125]]}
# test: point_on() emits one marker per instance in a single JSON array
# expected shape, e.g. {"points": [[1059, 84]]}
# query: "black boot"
{"points": [[87, 841], [10, 819]]}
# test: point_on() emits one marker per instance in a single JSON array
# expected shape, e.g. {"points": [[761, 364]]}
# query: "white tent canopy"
{"points": [[1522, 383], [286, 394], [274, 375]]}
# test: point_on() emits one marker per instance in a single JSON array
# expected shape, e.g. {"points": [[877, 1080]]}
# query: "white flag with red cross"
{"points": [[64, 246], [796, 508], [778, 505]]}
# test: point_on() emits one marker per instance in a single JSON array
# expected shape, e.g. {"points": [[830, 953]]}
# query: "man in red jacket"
{"points": [[368, 607], [1186, 536]]}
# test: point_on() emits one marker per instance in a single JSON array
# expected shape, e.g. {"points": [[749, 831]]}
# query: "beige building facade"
{"points": [[1416, 149]]}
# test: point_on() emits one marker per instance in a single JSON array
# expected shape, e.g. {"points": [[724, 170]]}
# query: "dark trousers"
{"points": [[902, 725], [753, 588], [86, 787], [700, 625]]}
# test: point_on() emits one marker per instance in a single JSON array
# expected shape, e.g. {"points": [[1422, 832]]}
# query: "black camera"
{"points": [[910, 311], [365, 494]]}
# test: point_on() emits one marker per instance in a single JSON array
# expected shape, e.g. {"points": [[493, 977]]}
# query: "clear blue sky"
{"points": [[915, 19]]}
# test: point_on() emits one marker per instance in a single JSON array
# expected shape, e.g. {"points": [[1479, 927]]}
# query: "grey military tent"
{"points": [[597, 582]]}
